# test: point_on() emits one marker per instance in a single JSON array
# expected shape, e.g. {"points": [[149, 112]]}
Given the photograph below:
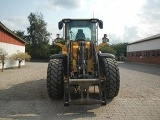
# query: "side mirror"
{"points": [[60, 25], [100, 22]]}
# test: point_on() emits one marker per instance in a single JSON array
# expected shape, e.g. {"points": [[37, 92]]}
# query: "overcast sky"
{"points": [[124, 20]]}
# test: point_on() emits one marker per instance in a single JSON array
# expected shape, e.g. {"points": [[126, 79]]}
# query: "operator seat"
{"points": [[80, 34]]}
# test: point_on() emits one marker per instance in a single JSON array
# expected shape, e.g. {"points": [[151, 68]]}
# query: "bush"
{"points": [[20, 56]]}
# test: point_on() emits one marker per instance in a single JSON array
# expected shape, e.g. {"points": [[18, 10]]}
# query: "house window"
{"points": [[155, 53], [146, 53], [138, 54], [131, 54]]}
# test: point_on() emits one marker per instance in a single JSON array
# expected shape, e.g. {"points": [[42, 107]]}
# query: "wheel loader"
{"points": [[80, 73]]}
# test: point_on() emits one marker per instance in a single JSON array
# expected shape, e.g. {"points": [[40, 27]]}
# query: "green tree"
{"points": [[120, 49], [108, 49], [21, 34], [55, 49], [38, 37]]}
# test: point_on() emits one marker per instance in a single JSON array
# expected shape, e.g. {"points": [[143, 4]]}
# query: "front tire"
{"points": [[55, 83], [111, 74]]}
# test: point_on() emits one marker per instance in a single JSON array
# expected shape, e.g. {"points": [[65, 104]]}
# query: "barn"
{"points": [[10, 43], [146, 50]]}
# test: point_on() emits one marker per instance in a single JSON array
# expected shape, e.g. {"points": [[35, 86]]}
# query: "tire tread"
{"points": [[55, 87], [112, 77]]}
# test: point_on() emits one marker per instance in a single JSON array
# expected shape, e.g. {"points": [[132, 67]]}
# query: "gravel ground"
{"points": [[139, 81], [29, 82], [23, 95]]}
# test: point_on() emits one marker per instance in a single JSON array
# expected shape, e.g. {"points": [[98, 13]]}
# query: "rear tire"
{"points": [[111, 73], [55, 83]]}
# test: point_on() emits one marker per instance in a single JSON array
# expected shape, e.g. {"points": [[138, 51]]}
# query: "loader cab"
{"points": [[80, 29]]}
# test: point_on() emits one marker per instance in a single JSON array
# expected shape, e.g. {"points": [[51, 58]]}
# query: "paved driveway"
{"points": [[23, 95]]}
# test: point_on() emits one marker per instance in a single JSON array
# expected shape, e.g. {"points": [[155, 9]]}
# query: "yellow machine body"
{"points": [[75, 48]]}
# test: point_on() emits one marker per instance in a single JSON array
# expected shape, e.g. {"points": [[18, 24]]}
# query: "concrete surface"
{"points": [[23, 95]]}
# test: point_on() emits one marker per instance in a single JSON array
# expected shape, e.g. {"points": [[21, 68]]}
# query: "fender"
{"points": [[105, 55], [58, 56]]}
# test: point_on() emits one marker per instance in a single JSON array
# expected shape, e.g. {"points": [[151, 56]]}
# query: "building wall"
{"points": [[11, 49], [11, 45], [146, 56], [144, 52], [8, 38], [147, 45]]}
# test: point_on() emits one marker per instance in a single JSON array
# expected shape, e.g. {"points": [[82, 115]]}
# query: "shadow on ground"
{"points": [[30, 100], [146, 68]]}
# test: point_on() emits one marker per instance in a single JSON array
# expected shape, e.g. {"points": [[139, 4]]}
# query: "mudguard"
{"points": [[58, 56], [105, 55]]}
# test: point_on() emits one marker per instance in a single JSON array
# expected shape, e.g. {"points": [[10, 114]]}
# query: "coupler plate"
{"points": [[88, 91]]}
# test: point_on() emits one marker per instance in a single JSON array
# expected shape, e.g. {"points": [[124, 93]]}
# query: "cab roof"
{"points": [[80, 19]]}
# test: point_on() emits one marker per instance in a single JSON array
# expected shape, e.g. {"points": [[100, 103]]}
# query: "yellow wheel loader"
{"points": [[80, 73]]}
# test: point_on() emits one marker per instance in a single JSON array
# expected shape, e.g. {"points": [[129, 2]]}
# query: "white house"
{"points": [[10, 43], [145, 51]]}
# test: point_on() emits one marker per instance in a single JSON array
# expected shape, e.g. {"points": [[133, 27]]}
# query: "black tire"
{"points": [[55, 83], [111, 73]]}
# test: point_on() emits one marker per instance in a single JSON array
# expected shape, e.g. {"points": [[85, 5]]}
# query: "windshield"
{"points": [[85, 30]]}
